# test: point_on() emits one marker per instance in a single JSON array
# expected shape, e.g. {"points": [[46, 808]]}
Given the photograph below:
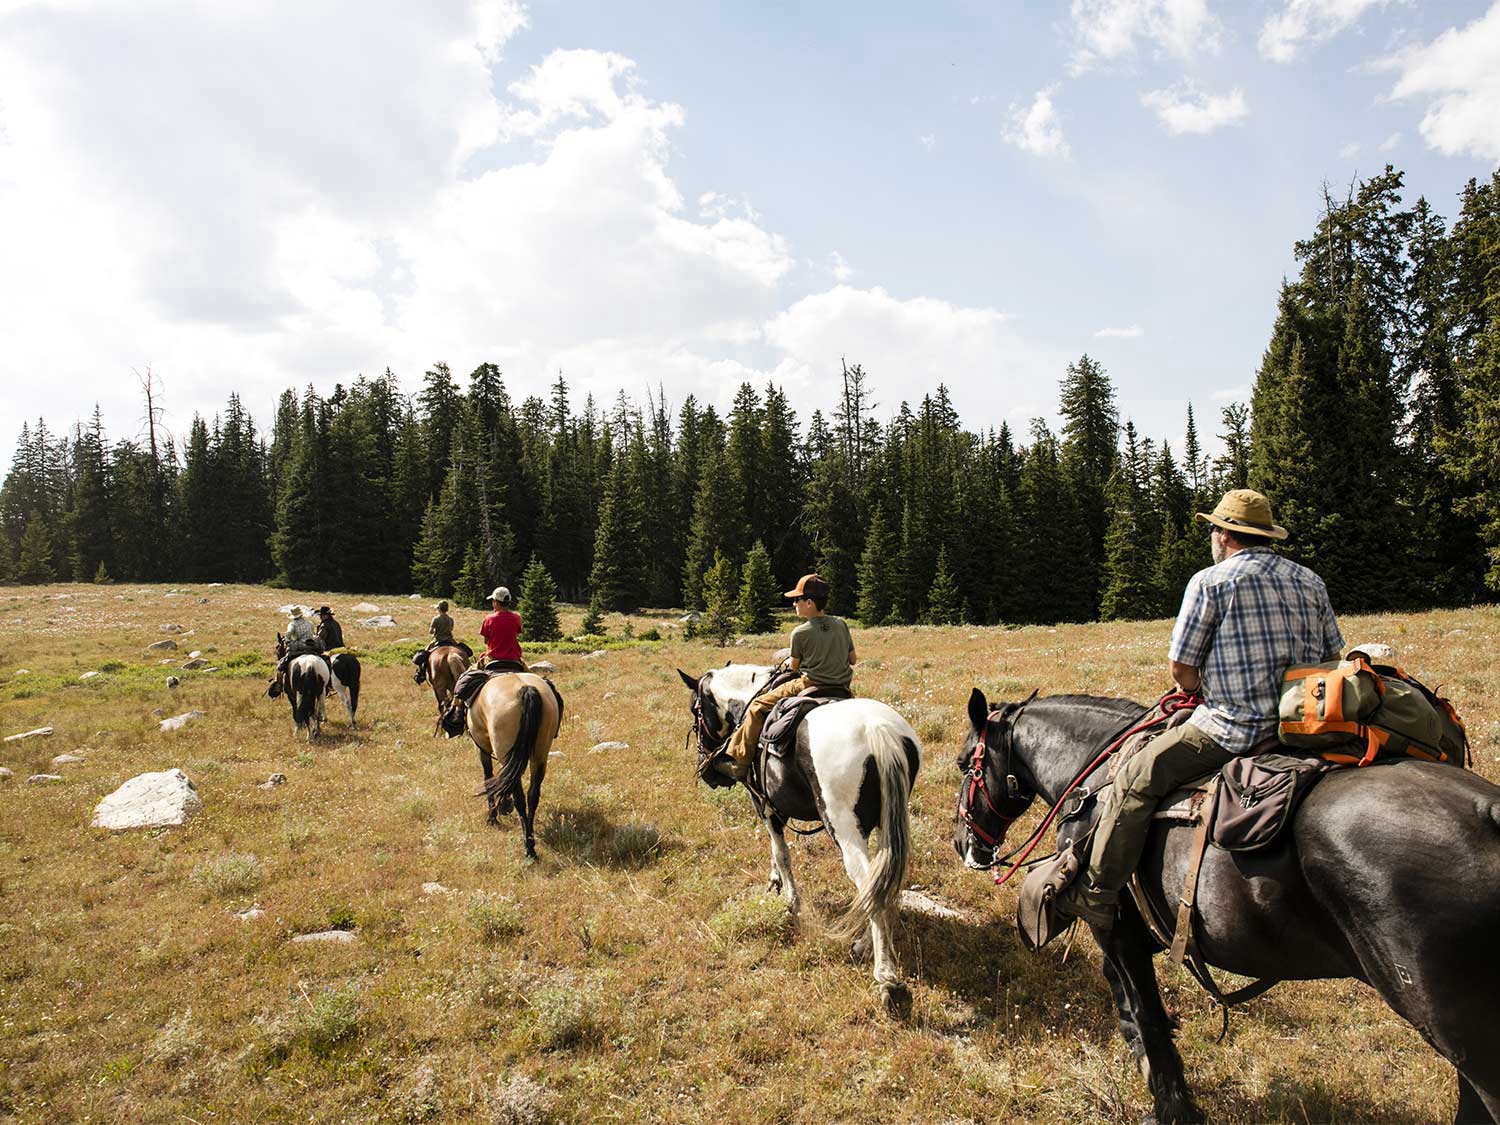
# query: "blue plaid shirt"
{"points": [[1242, 623]]}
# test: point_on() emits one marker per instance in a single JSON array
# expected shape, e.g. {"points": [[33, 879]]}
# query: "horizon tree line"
{"points": [[1374, 425]]}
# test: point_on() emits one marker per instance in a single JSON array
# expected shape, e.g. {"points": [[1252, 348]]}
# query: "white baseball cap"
{"points": [[499, 594]]}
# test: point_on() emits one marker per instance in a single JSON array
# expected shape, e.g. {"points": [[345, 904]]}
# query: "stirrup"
{"points": [[717, 771], [454, 721]]}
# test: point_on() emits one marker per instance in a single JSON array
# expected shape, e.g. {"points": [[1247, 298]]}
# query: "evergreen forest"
{"points": [[1373, 425]]}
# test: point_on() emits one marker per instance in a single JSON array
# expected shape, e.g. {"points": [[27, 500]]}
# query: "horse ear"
{"points": [[979, 710], [691, 683]]}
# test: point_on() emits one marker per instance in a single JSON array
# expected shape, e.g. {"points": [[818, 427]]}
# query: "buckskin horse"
{"points": [[524, 712], [855, 762], [1391, 876]]}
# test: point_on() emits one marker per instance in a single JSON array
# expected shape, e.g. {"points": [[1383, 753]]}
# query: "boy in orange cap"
{"points": [[823, 654]]}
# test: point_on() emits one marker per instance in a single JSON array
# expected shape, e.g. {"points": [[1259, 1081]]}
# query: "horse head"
{"points": [[995, 789], [720, 696]]}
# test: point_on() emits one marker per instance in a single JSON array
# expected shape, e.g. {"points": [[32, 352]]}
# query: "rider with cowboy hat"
{"points": [[330, 632], [1243, 621], [301, 639]]}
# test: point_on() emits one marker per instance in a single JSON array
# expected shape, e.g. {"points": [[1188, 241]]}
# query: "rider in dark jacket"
{"points": [[330, 632]]}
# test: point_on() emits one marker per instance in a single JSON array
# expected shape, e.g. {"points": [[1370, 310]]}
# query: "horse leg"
{"points": [[781, 881], [893, 993], [1471, 1107], [487, 763], [527, 806], [338, 687], [1143, 1021]]}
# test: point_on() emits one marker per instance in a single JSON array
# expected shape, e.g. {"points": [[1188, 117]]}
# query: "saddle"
{"points": [[778, 737]]}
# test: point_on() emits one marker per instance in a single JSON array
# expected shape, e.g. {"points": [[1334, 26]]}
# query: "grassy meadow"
{"points": [[638, 972]]}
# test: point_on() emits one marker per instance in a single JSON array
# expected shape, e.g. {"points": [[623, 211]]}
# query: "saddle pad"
{"points": [[779, 735]]}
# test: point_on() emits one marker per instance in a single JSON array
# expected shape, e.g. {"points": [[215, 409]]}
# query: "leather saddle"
{"points": [[778, 737]]}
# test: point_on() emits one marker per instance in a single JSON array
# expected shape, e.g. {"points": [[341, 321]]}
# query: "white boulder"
{"points": [[542, 667], [173, 681], [68, 759], [332, 937], [604, 746], [250, 915], [171, 628], [42, 778], [166, 645], [598, 652], [6, 774], [149, 800], [88, 676], [435, 889], [382, 621], [364, 607], [177, 722]]}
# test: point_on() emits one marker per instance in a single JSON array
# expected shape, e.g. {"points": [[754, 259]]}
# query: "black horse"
{"points": [[1392, 876]]}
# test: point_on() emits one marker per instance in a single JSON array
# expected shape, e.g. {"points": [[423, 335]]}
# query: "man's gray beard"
{"points": [[1216, 548]]}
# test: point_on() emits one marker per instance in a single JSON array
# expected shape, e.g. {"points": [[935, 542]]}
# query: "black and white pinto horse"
{"points": [[1390, 875], [308, 681], [855, 762]]}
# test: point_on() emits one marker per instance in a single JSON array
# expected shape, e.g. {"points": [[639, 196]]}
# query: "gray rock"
{"points": [[250, 915], [741, 642], [40, 732], [6, 774], [68, 759], [171, 628], [89, 676], [921, 904], [194, 664], [273, 781], [332, 937], [413, 597], [42, 778], [197, 652], [177, 722], [168, 660], [167, 645], [213, 585], [554, 753], [364, 607], [595, 655], [610, 695], [157, 712], [23, 671], [173, 681], [542, 667], [212, 668], [149, 800], [383, 621], [605, 746], [691, 618], [435, 889]]}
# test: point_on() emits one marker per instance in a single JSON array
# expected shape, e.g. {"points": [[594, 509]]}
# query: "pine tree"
{"points": [[718, 526], [101, 575], [538, 604], [758, 592], [593, 620], [944, 602], [35, 563], [1129, 587], [876, 594], [1090, 434], [719, 600], [618, 578], [473, 584]]}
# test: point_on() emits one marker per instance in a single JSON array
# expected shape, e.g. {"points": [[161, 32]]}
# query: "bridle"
{"points": [[1015, 801], [709, 744]]}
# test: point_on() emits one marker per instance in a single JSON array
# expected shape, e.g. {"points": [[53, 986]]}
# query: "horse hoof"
{"points": [[896, 999]]}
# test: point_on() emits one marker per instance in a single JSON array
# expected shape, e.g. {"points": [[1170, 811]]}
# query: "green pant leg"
{"points": [[1170, 761]]}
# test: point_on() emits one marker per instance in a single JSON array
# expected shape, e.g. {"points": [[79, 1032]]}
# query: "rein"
{"points": [[1168, 705]]}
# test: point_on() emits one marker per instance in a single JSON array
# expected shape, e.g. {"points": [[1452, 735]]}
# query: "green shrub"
{"points": [[755, 916], [495, 917], [231, 874], [563, 1016]]}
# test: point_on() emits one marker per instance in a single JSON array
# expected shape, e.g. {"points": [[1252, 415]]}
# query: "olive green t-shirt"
{"points": [[822, 644], [442, 629]]}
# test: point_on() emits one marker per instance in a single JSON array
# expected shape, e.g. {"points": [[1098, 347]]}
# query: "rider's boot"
{"points": [[455, 720], [420, 660]]}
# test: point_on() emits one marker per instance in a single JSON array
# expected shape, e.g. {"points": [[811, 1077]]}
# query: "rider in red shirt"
{"points": [[501, 632]]}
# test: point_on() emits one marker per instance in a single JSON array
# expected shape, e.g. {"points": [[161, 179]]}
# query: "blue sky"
{"points": [[263, 195]]}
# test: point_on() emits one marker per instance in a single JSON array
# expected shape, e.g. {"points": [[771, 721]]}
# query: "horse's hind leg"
{"points": [[781, 881], [1471, 1107], [894, 993], [1143, 1021], [526, 805], [487, 763]]}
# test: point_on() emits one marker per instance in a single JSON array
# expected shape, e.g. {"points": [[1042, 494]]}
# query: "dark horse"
{"points": [[1392, 876], [307, 680]]}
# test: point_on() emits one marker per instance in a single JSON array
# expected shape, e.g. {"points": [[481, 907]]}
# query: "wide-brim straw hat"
{"points": [[1244, 512], [296, 611]]}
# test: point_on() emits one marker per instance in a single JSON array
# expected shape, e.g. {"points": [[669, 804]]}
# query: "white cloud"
{"points": [[1349, 151], [1458, 75], [1308, 21], [1133, 332], [1390, 142], [928, 141], [1107, 30], [838, 267], [1184, 109], [1036, 128]]}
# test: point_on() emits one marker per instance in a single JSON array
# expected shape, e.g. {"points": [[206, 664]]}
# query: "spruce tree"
{"points": [[758, 592], [719, 600], [474, 582], [618, 577], [876, 596], [944, 602], [1089, 438], [593, 619], [34, 566], [538, 604]]}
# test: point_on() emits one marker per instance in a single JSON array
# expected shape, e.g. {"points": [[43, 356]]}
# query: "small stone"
{"points": [[195, 654], [554, 753], [40, 732], [173, 681], [149, 800], [42, 778], [364, 607], [542, 667], [690, 618], [213, 585], [335, 937], [194, 664], [383, 621], [400, 744], [202, 601], [273, 781], [177, 722], [23, 671], [171, 628], [157, 712], [1456, 633], [250, 915], [167, 645], [741, 642], [68, 759], [598, 652], [212, 668], [103, 733], [435, 889], [603, 746], [413, 597], [610, 695], [167, 660], [6, 774], [88, 675]]}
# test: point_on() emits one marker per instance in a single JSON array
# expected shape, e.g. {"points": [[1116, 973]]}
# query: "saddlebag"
{"points": [[1259, 796]]}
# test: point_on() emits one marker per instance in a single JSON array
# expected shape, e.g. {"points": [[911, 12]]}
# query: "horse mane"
{"points": [[1111, 704]]}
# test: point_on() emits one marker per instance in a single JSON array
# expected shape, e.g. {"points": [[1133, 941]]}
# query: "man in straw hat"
{"points": [[1243, 621], [822, 655]]}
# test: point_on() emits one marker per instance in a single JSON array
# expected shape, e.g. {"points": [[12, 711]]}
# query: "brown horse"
{"points": [[523, 712], [444, 665]]}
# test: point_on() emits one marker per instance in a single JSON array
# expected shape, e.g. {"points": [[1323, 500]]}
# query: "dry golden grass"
{"points": [[633, 974]]}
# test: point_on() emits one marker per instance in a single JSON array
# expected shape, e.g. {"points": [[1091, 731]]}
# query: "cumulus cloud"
{"points": [[1184, 109], [1458, 76], [1107, 30], [1390, 142], [1036, 128], [1133, 332], [1349, 151], [1301, 22]]}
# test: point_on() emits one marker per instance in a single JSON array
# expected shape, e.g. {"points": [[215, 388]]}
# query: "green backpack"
{"points": [[1354, 713]]}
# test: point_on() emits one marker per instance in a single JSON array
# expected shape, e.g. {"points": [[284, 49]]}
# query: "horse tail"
{"points": [[892, 753], [304, 696], [520, 752], [346, 668]]}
